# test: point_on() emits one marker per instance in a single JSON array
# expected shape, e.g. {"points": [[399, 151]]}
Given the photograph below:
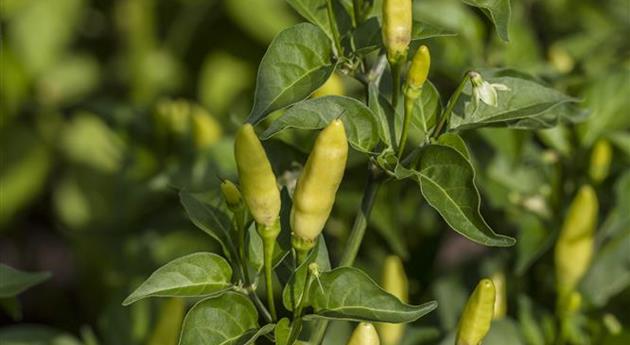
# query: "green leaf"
{"points": [[429, 102], [209, 219], [362, 127], [294, 290], [229, 319], [315, 12], [369, 37], [250, 337], [12, 306], [14, 282], [447, 181], [197, 274], [348, 293], [498, 11], [297, 62], [24, 334], [456, 142], [527, 104], [282, 331]]}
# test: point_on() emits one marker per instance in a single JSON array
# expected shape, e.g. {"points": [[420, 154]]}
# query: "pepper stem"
{"points": [[269, 234], [446, 114], [407, 122]]}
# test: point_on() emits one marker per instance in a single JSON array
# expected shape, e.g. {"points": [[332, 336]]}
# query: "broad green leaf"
{"points": [[384, 113], [361, 124], [368, 36], [297, 62], [456, 142], [498, 11], [447, 181], [250, 337], [197, 274], [429, 102], [209, 219], [14, 282], [229, 319], [527, 104], [315, 12], [349, 294], [294, 290]]}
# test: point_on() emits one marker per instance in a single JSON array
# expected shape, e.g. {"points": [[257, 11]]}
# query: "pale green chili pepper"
{"points": [[477, 315], [364, 334], [395, 282]]}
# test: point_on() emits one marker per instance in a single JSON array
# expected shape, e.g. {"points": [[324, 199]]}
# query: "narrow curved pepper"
{"points": [[231, 194], [364, 334], [317, 185], [600, 161], [500, 302], [574, 248], [397, 24], [395, 282], [257, 181], [477, 315], [418, 72]]}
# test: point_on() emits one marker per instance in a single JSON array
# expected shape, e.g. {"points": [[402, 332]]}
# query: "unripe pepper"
{"points": [[395, 282], [500, 302], [257, 181], [477, 315], [317, 185], [574, 248], [206, 129], [397, 24], [364, 334], [231, 194], [418, 72], [332, 87], [600, 161]]}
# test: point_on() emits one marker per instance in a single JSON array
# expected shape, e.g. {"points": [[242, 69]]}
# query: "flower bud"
{"points": [[418, 72], [600, 161], [257, 181], [317, 185], [574, 248], [364, 334], [397, 24], [477, 315], [231, 194], [395, 282]]}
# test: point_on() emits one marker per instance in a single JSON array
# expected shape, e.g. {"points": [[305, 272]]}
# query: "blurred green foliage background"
{"points": [[108, 107]]}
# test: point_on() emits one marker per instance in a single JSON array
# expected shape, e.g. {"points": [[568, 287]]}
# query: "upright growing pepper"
{"points": [[395, 282], [397, 24], [317, 185], [416, 76], [477, 315], [364, 334]]}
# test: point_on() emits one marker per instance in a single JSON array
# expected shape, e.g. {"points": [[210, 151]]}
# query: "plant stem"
{"points": [[333, 27], [269, 234], [407, 121], [296, 327], [446, 114]]}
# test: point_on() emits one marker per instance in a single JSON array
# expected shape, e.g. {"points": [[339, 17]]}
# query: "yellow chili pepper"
{"points": [[397, 24], [477, 315], [206, 129], [257, 181], [418, 72], [364, 334], [500, 302], [332, 87], [318, 183], [395, 282], [574, 248], [600, 161]]}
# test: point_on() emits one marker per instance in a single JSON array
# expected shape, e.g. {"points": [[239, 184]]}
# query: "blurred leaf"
{"points": [[196, 274], [69, 81], [24, 169], [14, 282], [87, 140], [503, 332], [15, 85], [361, 125], [209, 219], [12, 306], [498, 11], [262, 19], [451, 297], [25, 334], [365, 301], [223, 78], [282, 331], [527, 317], [533, 240], [166, 330], [447, 182], [297, 62], [526, 99], [42, 30], [456, 142], [420, 335], [606, 98], [229, 319]]}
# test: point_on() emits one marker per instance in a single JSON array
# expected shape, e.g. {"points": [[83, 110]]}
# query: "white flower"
{"points": [[484, 91]]}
